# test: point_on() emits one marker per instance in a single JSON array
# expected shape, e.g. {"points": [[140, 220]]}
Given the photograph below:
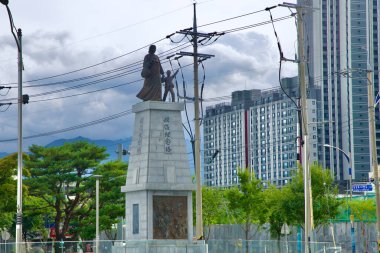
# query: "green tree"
{"points": [[324, 194], [247, 202], [59, 176], [111, 201], [214, 208], [8, 190], [34, 220], [275, 201], [363, 210]]}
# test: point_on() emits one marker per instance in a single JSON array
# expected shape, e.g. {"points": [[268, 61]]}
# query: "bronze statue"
{"points": [[151, 72], [169, 85]]}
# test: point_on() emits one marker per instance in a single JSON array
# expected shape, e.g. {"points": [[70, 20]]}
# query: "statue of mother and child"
{"points": [[153, 75]]}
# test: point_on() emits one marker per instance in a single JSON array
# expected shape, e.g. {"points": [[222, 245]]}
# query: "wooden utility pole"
{"points": [[304, 125], [197, 155], [305, 146], [199, 219], [119, 152], [372, 137]]}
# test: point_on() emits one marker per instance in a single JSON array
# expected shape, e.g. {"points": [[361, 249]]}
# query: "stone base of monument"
{"points": [[161, 246], [158, 190]]}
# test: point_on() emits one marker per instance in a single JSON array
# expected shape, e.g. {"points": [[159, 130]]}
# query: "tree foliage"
{"points": [[277, 214], [61, 179], [214, 207], [8, 189], [247, 202], [291, 198], [111, 201], [363, 210]]}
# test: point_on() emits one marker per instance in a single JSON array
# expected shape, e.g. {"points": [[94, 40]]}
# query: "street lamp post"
{"points": [[19, 143], [97, 213], [349, 160]]}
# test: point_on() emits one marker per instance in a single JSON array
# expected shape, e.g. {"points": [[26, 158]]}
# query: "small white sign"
{"points": [[5, 235]]}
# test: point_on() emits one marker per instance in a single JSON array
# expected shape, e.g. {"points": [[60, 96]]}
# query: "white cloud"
{"points": [[68, 36]]}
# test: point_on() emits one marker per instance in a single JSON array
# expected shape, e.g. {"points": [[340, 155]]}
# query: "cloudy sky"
{"points": [[75, 52]]}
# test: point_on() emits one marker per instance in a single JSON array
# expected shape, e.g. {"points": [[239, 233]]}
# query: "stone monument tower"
{"points": [[159, 186]]}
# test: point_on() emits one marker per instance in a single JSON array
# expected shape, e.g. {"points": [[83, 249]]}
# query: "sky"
{"points": [[87, 47]]}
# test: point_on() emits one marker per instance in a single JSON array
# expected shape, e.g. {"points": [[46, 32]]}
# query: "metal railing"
{"points": [[214, 246]]}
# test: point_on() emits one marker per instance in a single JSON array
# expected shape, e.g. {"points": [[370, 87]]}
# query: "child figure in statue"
{"points": [[169, 85]]}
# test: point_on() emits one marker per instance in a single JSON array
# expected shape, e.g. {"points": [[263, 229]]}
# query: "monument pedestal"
{"points": [[159, 186]]}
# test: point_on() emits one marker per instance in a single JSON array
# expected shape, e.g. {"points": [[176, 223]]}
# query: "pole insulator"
{"points": [[19, 218]]}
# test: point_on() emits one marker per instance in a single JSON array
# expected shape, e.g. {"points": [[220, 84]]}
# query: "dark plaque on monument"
{"points": [[169, 217]]}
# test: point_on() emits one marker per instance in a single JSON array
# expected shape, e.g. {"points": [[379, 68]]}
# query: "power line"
{"points": [[89, 92], [228, 19], [138, 49], [94, 65], [132, 71], [238, 29], [134, 64], [83, 125]]}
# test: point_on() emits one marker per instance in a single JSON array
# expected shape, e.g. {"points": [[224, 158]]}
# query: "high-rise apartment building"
{"points": [[341, 36], [259, 131]]}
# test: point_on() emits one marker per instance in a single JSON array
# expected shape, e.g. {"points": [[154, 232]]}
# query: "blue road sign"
{"points": [[362, 188]]}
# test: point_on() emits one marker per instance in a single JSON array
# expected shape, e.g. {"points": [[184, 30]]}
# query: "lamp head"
{"points": [[5, 2]]}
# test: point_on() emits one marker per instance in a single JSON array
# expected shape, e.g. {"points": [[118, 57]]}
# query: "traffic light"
{"points": [[25, 97]]}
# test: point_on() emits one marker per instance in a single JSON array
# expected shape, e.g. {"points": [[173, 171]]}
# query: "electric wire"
{"points": [[5, 104], [228, 19], [94, 65], [138, 49], [238, 29], [93, 91], [134, 64], [83, 125], [102, 120], [89, 92], [189, 130], [135, 70], [4, 87], [281, 58]]}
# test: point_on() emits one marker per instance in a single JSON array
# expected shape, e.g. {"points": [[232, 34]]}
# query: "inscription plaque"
{"points": [[135, 222], [170, 217], [140, 134], [167, 136]]}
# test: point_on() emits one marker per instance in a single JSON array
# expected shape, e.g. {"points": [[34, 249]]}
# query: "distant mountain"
{"points": [[3, 154], [110, 145]]}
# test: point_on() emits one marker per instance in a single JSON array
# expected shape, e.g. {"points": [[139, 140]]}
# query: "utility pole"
{"points": [[199, 219], [371, 108], [119, 152], [97, 237], [305, 146], [197, 156], [21, 100], [304, 126], [372, 127], [19, 144]]}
